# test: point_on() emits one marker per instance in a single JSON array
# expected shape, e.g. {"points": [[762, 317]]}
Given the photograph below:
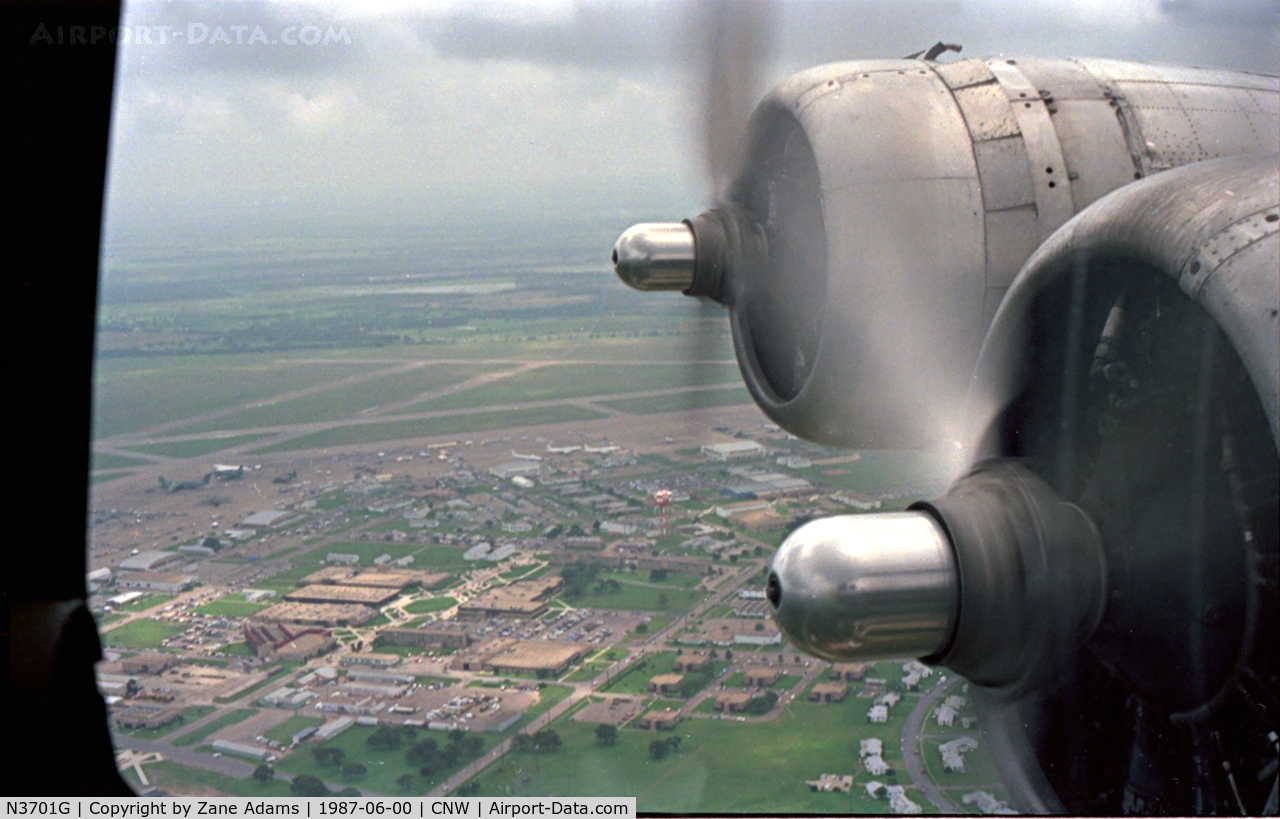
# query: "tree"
{"points": [[733, 558], [354, 770], [657, 575], [728, 654], [264, 773], [547, 740], [307, 785], [405, 781], [420, 752], [469, 789], [521, 742], [762, 705], [607, 735], [661, 747], [643, 628], [385, 738], [663, 600], [328, 756]]}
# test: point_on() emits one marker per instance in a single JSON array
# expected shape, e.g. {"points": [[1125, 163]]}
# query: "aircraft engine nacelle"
{"points": [[885, 207], [1105, 576]]}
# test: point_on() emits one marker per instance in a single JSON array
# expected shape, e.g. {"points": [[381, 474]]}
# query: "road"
{"points": [[911, 744]]}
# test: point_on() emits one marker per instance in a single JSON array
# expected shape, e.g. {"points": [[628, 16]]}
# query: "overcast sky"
{"points": [[525, 105]]}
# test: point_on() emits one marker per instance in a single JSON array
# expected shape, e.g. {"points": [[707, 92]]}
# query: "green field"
{"points": [[680, 401], [430, 604], [441, 559], [104, 477], [194, 448], [108, 460], [232, 605], [576, 381], [271, 678], [198, 735], [141, 634], [720, 766], [441, 425], [189, 714], [594, 665], [283, 732], [672, 580], [635, 678], [640, 598], [177, 387], [178, 779], [348, 400], [384, 767]]}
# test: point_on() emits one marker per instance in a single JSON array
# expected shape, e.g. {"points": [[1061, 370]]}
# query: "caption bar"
{"points": [[421, 807]]}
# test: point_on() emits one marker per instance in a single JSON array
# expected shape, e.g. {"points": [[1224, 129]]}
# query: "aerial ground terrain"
{"points": [[460, 534]]}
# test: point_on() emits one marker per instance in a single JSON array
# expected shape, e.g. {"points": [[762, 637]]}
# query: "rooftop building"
{"points": [[149, 561], [325, 593], [267, 519], [660, 719], [733, 451], [166, 582]]}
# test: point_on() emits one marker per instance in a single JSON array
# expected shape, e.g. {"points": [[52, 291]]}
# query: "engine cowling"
{"points": [[1114, 548], [886, 205]]}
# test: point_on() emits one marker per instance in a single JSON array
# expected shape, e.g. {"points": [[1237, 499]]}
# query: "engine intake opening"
{"points": [[773, 590]]}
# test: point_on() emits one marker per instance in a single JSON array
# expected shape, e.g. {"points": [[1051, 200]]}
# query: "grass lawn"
{"points": [[640, 598], [593, 666], [441, 559], [189, 714], [107, 460], [575, 381], [635, 679], [240, 649], [285, 730], [681, 401], [103, 477], [658, 623], [428, 427], [232, 605], [182, 386], [525, 573], [198, 735], [346, 401], [272, 677], [430, 604], [384, 767], [721, 766], [194, 448], [141, 634], [672, 580], [547, 697], [979, 768], [179, 780]]}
